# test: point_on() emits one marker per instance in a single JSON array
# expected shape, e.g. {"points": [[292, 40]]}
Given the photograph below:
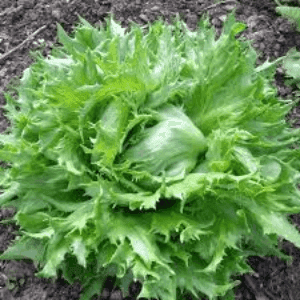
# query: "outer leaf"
{"points": [[25, 248], [71, 45], [57, 249], [139, 239]]}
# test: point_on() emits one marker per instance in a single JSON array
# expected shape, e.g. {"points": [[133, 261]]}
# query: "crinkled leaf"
{"points": [[25, 248]]}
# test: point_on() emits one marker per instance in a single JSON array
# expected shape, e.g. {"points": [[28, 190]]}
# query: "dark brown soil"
{"points": [[272, 37]]}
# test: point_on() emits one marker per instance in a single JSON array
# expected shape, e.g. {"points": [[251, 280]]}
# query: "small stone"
{"points": [[3, 280], [216, 22], [56, 13], [143, 18], [105, 294], [229, 7], [155, 8], [255, 44], [280, 70], [222, 17], [277, 47], [262, 46], [116, 295]]}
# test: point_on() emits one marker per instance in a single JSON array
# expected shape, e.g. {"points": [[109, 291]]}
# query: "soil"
{"points": [[272, 37]]}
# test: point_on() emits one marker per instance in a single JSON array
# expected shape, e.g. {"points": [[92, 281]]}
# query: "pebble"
{"points": [[56, 13], [229, 7], [280, 70], [155, 8], [262, 46], [105, 293], [216, 22], [143, 18], [116, 295], [259, 35], [222, 17], [277, 47], [255, 44], [3, 280]]}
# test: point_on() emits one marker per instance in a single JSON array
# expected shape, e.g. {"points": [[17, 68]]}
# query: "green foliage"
{"points": [[161, 156]]}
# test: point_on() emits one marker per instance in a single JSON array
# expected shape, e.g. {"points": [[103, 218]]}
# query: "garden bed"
{"points": [[272, 37]]}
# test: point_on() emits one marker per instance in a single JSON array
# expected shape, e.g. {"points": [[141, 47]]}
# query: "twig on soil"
{"points": [[11, 10], [5, 55], [219, 3]]}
